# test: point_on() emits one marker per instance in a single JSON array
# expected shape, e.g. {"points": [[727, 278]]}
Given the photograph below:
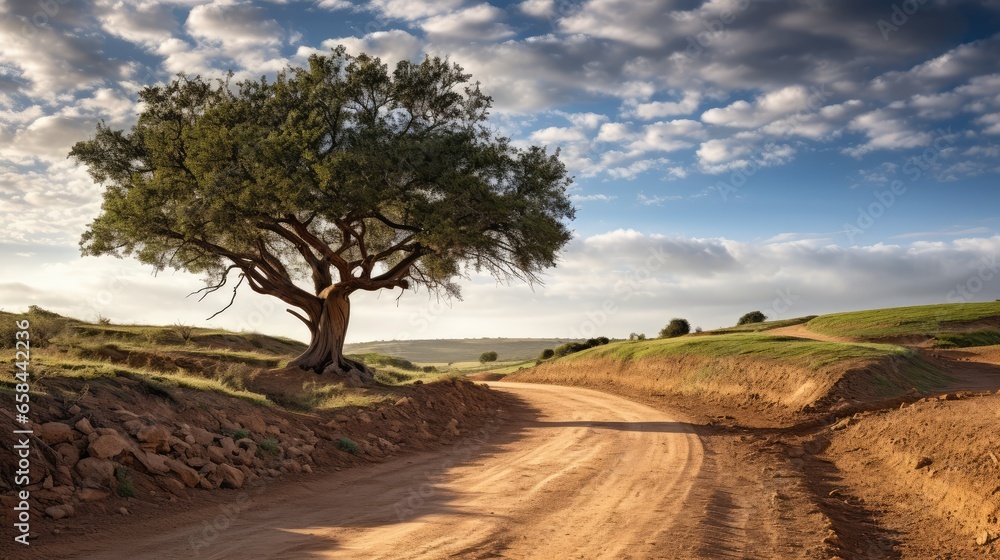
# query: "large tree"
{"points": [[330, 179]]}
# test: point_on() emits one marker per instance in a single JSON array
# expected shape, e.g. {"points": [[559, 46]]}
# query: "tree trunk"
{"points": [[325, 353]]}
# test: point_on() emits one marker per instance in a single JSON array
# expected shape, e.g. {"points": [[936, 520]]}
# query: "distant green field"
{"points": [[924, 320], [458, 350], [799, 351]]}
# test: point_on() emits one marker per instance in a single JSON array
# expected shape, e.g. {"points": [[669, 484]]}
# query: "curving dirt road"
{"points": [[577, 474]]}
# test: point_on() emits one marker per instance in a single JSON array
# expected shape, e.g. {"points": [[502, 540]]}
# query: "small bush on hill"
{"points": [[547, 354], [752, 317], [267, 446], [676, 327], [488, 357], [125, 488], [347, 445]]}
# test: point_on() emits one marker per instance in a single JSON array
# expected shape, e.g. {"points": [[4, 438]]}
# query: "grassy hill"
{"points": [[956, 324], [748, 366], [458, 350], [164, 358]]}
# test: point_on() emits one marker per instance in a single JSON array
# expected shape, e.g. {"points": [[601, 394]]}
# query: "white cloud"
{"points": [[482, 22], [558, 135], [585, 120], [668, 136], [538, 8], [592, 198], [636, 168], [144, 23], [235, 25], [765, 108], [991, 123], [390, 46], [412, 10], [613, 132], [885, 131], [659, 109]]}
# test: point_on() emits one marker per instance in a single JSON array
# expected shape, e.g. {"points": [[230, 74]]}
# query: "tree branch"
{"points": [[231, 301]]}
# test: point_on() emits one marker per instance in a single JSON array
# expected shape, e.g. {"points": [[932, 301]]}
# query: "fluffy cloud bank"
{"points": [[612, 283]]}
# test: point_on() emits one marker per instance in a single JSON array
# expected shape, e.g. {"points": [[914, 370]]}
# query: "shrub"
{"points": [[241, 434], [268, 446], [185, 332], [547, 354], [697, 329], [636, 336], [430, 369], [102, 320], [488, 357], [676, 327], [602, 340], [125, 488], [752, 317], [347, 445]]}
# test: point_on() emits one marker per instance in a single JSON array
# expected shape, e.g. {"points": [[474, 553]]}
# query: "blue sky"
{"points": [[796, 157]]}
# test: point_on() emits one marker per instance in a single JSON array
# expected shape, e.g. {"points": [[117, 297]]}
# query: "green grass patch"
{"points": [[268, 446], [240, 434], [798, 351], [345, 444], [967, 339], [761, 327], [924, 320], [124, 487]]}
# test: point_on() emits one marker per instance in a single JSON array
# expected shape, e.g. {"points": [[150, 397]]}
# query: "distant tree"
{"points": [[488, 357], [602, 340], [752, 317], [547, 354], [339, 177], [676, 327], [642, 336]]}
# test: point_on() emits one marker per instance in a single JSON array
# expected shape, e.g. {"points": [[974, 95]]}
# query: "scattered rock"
{"points": [[74, 410], [196, 462], [157, 437], [96, 472], [123, 511], [154, 463], [107, 446], [985, 538], [69, 453], [58, 512], [231, 476], [55, 432], [216, 455], [90, 494], [83, 426], [228, 446], [202, 436], [188, 475], [923, 462], [172, 485]]}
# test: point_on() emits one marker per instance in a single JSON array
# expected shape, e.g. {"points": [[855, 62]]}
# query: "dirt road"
{"points": [[575, 474]]}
